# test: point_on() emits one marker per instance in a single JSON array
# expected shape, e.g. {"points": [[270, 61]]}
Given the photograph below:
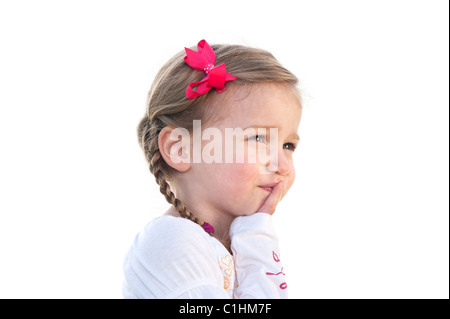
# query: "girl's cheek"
{"points": [[290, 180]]}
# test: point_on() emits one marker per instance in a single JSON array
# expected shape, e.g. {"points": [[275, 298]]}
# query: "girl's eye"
{"points": [[258, 138], [289, 146]]}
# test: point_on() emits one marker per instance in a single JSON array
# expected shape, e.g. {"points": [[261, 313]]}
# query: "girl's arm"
{"points": [[259, 271], [173, 258]]}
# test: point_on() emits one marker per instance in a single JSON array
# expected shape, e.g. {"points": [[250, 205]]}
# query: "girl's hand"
{"points": [[271, 202]]}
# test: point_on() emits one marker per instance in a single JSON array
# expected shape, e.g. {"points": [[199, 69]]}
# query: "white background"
{"points": [[368, 214]]}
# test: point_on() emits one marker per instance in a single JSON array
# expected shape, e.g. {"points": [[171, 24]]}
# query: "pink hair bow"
{"points": [[204, 60]]}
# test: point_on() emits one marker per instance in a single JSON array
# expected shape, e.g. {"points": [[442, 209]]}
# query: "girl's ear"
{"points": [[174, 146]]}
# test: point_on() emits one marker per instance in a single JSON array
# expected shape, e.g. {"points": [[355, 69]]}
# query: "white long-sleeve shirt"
{"points": [[175, 258]]}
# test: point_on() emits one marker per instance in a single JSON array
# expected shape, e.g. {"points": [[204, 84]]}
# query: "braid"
{"points": [[158, 167], [164, 188]]}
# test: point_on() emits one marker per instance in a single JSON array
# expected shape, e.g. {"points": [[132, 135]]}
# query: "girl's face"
{"points": [[235, 188]]}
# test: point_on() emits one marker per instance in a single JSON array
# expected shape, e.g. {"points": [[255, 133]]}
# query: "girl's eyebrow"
{"points": [[294, 136]]}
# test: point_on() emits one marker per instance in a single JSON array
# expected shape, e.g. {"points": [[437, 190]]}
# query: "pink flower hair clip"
{"points": [[204, 60]]}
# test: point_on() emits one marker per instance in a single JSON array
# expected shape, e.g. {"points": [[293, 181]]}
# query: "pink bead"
{"points": [[208, 228]]}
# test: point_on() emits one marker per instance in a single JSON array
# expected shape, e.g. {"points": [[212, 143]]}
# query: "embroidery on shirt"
{"points": [[226, 264], [226, 283], [277, 260]]}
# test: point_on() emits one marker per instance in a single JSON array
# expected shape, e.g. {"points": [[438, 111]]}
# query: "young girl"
{"points": [[209, 115]]}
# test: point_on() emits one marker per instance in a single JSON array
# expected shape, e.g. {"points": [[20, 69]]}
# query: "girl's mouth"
{"points": [[269, 187]]}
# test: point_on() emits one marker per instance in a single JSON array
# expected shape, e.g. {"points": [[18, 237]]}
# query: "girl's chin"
{"points": [[246, 208], [249, 211]]}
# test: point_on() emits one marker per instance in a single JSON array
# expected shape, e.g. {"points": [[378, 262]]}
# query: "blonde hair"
{"points": [[168, 106]]}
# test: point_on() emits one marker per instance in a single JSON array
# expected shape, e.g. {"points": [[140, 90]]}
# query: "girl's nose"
{"points": [[279, 164], [283, 165]]}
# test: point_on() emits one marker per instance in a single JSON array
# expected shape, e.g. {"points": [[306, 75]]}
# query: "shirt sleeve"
{"points": [[258, 267], [172, 258]]}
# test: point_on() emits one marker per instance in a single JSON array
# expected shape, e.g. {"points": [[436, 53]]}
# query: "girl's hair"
{"points": [[168, 106]]}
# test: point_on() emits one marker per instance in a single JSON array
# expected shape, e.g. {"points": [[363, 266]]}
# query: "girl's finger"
{"points": [[272, 200]]}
